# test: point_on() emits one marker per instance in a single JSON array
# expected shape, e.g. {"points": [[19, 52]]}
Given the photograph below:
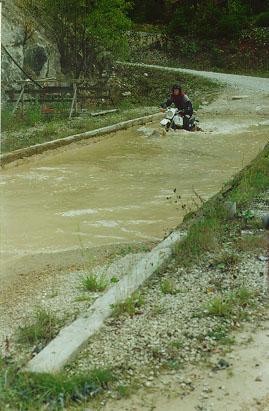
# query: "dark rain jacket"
{"points": [[182, 102]]}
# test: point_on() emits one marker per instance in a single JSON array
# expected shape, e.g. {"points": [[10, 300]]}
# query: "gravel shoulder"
{"points": [[242, 386]]}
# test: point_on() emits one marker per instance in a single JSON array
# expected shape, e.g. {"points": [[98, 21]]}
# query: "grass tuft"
{"points": [[21, 390], [232, 304], [42, 329], [131, 306], [226, 261], [218, 307], [93, 282], [251, 243], [203, 236], [169, 286], [244, 297], [123, 391]]}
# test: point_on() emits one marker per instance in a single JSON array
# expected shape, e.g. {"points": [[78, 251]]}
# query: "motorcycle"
{"points": [[175, 119]]}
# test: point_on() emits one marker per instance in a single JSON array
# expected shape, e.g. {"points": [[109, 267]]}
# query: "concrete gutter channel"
{"points": [[51, 145], [73, 337]]}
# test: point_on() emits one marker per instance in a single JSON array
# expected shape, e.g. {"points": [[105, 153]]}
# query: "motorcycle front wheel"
{"points": [[167, 127]]}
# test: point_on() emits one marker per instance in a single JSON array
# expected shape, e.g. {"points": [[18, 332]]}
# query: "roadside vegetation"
{"points": [[93, 282], [228, 36], [42, 328], [212, 224], [247, 55], [26, 391], [232, 304], [131, 306]]}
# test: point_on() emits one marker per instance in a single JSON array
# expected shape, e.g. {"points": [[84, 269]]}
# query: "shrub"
{"points": [[230, 26], [179, 24]]}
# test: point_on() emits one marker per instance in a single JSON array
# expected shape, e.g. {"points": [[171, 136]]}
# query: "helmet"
{"points": [[176, 87]]}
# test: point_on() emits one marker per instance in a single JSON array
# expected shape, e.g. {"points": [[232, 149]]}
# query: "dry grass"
{"points": [[251, 242]]}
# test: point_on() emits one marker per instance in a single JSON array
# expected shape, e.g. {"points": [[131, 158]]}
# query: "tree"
{"points": [[107, 24], [83, 29]]}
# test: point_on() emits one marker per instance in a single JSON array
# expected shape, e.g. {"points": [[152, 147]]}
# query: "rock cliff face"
{"points": [[28, 44]]}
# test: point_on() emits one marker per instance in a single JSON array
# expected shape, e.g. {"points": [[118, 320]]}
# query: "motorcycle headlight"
{"points": [[169, 114]]}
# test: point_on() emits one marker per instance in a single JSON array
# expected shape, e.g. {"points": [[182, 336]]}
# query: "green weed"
{"points": [[254, 180], [220, 334], [178, 344], [131, 306], [21, 390], [172, 364], [232, 304], [82, 298], [169, 286], [41, 329], [203, 236], [244, 297], [114, 280], [226, 261], [218, 307], [123, 390], [93, 282]]}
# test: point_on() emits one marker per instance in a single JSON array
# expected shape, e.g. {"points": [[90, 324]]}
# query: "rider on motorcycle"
{"points": [[182, 103]]}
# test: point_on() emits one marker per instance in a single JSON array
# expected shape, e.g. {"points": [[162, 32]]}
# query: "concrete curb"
{"points": [[73, 337], [50, 145]]}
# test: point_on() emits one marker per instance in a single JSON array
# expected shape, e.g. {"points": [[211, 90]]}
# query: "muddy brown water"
{"points": [[120, 189]]}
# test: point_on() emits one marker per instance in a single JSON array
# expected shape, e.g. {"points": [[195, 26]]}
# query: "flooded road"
{"points": [[124, 187], [119, 188]]}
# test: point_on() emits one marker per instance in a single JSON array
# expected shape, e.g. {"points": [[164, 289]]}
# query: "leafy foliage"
{"points": [[94, 283], [262, 20], [107, 25], [84, 30], [202, 18]]}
